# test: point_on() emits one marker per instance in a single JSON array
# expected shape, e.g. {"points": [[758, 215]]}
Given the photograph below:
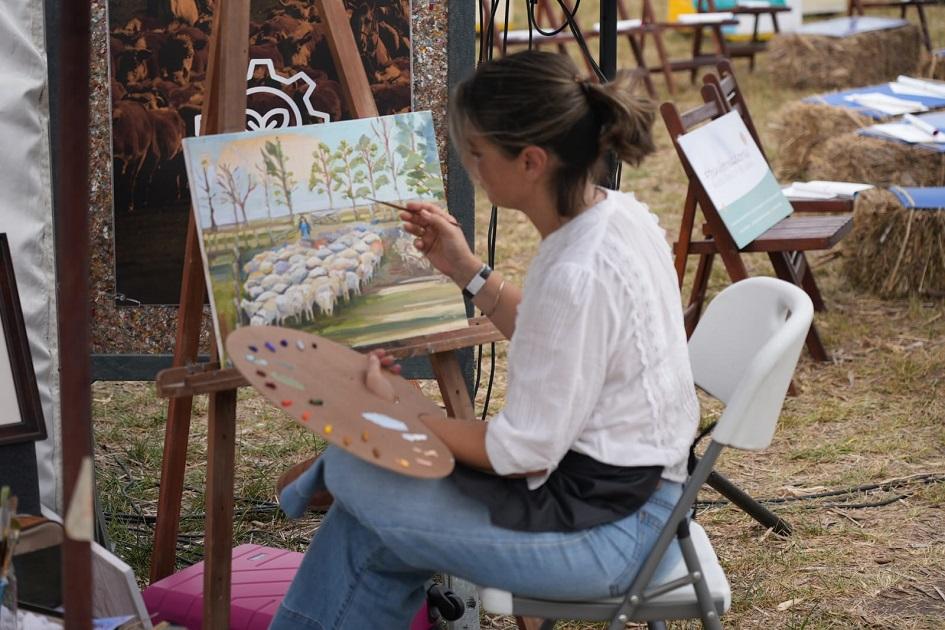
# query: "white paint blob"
{"points": [[384, 421], [414, 437]]}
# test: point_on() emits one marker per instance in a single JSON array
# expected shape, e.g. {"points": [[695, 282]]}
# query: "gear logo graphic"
{"points": [[289, 114]]}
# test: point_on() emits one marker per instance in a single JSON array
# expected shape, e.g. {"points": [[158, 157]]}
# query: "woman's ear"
{"points": [[534, 161]]}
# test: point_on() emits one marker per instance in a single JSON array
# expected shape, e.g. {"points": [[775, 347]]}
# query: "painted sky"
{"points": [[243, 151]]}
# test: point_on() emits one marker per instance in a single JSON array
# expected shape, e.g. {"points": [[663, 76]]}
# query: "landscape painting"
{"points": [[158, 57], [293, 233]]}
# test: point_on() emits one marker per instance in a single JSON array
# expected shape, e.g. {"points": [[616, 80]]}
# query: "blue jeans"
{"points": [[387, 534]]}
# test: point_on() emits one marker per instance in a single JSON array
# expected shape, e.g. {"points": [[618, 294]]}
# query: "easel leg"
{"points": [[176, 434], [449, 376], [747, 504], [221, 442]]}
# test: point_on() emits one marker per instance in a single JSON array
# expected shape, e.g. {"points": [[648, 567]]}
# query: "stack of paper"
{"points": [[704, 18], [819, 189], [918, 87], [889, 105], [753, 4], [908, 133]]}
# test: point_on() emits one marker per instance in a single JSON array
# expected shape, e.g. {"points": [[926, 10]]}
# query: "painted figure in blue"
{"points": [[305, 230]]}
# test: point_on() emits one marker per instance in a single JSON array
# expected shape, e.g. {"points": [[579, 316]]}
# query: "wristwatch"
{"points": [[477, 282]]}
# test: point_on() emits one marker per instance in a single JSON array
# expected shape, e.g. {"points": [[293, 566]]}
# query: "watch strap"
{"points": [[477, 282]]}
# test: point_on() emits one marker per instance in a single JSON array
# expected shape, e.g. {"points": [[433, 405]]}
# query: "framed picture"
{"points": [[21, 414]]}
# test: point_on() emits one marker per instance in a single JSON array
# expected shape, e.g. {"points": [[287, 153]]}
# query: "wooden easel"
{"points": [[224, 111]]}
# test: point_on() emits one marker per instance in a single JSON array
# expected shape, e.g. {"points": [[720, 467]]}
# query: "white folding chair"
{"points": [[743, 352]]}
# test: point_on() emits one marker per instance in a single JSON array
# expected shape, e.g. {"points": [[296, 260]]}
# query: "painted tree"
{"points": [[383, 129], [236, 190], [370, 158], [420, 168], [277, 167], [265, 178], [347, 175], [322, 176], [208, 192]]}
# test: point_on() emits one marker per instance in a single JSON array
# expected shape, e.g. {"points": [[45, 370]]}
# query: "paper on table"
{"points": [[907, 133], [792, 192], [753, 4], [886, 103], [621, 24], [847, 189], [931, 88], [698, 18], [908, 90]]}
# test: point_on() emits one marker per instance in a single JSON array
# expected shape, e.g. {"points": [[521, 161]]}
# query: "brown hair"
{"points": [[537, 98]]}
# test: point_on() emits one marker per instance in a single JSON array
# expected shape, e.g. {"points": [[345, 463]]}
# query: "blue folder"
{"points": [[929, 198], [836, 99], [936, 119]]}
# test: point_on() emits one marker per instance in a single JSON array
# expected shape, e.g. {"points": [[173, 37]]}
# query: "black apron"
{"points": [[579, 494]]}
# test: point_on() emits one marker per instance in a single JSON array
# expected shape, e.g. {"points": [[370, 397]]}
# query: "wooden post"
{"points": [[72, 271]]}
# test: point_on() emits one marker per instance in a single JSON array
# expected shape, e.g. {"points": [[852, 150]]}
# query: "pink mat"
{"points": [[261, 577]]}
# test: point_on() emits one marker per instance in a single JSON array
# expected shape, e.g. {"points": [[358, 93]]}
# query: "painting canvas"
{"points": [[291, 237], [158, 63]]}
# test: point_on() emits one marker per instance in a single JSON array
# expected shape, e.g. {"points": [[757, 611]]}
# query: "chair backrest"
{"points": [[744, 352], [727, 87]]}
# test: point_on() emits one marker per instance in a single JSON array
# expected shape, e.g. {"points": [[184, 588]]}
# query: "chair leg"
{"points": [[656, 625], [710, 616], [534, 623], [696, 53], [785, 270], [664, 60], [700, 284]]}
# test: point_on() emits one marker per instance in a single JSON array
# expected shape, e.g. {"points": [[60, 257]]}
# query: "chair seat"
{"points": [[680, 603], [795, 233]]}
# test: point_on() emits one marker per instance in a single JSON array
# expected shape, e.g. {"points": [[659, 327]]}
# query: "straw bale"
{"points": [[932, 67], [893, 251], [801, 129], [854, 158], [815, 61]]}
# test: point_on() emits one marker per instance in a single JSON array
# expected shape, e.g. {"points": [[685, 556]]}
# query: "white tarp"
{"points": [[26, 211]]}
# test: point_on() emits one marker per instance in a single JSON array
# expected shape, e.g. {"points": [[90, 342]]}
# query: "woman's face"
{"points": [[493, 170]]}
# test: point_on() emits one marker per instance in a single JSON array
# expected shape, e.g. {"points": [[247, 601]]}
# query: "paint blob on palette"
{"points": [[321, 384]]}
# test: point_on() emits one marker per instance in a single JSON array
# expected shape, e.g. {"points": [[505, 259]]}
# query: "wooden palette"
{"points": [[320, 383]]}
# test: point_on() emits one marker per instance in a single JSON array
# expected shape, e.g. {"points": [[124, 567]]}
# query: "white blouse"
{"points": [[598, 362]]}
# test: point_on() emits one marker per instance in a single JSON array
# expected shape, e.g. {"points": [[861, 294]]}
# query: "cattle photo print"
{"points": [[293, 231], [158, 64]]}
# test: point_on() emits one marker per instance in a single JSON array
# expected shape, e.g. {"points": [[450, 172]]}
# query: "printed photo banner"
{"points": [[294, 231], [158, 56], [736, 177]]}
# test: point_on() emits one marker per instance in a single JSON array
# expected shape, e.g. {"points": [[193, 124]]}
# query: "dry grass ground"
{"points": [[874, 415]]}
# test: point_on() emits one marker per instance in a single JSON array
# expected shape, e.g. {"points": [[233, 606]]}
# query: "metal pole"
{"points": [[608, 38]]}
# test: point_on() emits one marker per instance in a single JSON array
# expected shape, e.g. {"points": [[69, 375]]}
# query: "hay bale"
{"points": [[932, 67], [894, 251], [801, 128], [815, 61], [854, 158]]}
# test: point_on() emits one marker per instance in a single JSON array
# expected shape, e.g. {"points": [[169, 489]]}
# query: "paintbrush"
{"points": [[449, 217]]}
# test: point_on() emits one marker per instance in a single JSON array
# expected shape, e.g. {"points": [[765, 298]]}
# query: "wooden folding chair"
{"points": [[755, 45], [785, 242], [552, 17], [858, 6], [652, 27], [727, 86]]}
